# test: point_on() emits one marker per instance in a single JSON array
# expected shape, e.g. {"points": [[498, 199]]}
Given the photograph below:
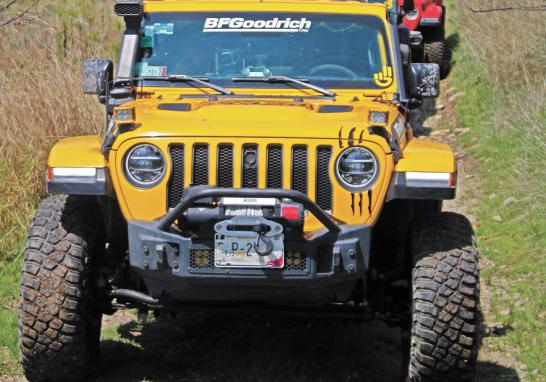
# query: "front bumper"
{"points": [[334, 258]]}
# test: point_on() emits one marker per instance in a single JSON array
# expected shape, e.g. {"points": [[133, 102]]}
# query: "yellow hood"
{"points": [[248, 118]]}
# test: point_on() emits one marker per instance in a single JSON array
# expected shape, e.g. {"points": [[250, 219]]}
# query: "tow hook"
{"points": [[261, 230], [268, 245]]}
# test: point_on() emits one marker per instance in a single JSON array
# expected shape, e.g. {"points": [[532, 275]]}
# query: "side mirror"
{"points": [[424, 80], [96, 76]]}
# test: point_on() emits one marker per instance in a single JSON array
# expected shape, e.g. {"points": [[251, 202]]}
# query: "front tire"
{"points": [[445, 327], [59, 330]]}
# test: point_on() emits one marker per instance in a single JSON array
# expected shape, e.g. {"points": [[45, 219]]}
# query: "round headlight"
{"points": [[145, 165], [357, 169]]}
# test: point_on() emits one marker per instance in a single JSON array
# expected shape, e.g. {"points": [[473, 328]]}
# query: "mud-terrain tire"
{"points": [[436, 51], [446, 319], [59, 330]]}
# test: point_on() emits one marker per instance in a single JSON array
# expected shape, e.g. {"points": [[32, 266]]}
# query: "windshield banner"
{"points": [[240, 24]]}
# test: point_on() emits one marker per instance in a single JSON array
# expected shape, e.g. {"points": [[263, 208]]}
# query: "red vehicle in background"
{"points": [[426, 22]]}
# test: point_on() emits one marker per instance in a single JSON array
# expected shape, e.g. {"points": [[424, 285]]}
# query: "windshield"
{"points": [[333, 51]]}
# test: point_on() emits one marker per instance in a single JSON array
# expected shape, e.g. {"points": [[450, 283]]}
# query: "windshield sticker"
{"points": [[142, 69], [149, 31], [146, 42], [384, 78], [164, 28], [159, 28], [240, 24]]}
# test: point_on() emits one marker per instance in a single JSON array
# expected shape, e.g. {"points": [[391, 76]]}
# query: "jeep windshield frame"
{"points": [[331, 51]]}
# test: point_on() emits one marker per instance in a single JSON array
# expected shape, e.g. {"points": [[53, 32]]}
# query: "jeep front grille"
{"points": [[324, 183], [176, 183], [300, 179], [250, 166], [274, 166], [271, 165], [200, 165], [225, 165]]}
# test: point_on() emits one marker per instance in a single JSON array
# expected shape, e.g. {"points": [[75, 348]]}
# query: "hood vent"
{"points": [[175, 106], [327, 109]]}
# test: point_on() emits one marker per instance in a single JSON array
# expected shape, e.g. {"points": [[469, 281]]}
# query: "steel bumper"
{"points": [[337, 254]]}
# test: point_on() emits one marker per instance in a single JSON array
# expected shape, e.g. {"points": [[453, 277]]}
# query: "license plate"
{"points": [[239, 252]]}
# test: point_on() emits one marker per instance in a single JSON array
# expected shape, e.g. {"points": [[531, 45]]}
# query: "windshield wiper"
{"points": [[284, 79], [184, 78]]}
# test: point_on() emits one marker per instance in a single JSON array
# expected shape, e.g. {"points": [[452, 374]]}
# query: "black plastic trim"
{"points": [[101, 185], [399, 190]]}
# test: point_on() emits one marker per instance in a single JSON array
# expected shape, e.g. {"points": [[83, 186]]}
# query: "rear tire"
{"points": [[435, 50], [59, 330], [445, 327]]}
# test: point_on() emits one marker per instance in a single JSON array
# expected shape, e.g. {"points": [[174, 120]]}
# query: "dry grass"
{"points": [[40, 96], [501, 67], [512, 44]]}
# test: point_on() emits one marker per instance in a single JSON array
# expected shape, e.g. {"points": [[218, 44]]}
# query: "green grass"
{"points": [[511, 210], [9, 291]]}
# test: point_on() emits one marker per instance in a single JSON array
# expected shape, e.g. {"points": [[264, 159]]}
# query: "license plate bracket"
{"points": [[235, 247]]}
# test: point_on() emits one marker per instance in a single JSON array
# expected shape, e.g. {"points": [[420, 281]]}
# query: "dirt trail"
{"points": [[436, 120]]}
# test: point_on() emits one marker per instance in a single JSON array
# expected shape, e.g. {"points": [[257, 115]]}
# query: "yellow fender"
{"points": [[427, 156], [74, 152], [427, 170], [76, 166]]}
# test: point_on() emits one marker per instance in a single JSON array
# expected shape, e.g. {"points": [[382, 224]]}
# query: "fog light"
{"points": [[295, 260], [202, 258]]}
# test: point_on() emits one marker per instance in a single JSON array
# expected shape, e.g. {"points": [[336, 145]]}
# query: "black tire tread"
{"points": [[436, 51], [446, 319], [53, 298]]}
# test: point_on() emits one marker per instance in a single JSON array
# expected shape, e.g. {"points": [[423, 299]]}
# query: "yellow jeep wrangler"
{"points": [[258, 156]]}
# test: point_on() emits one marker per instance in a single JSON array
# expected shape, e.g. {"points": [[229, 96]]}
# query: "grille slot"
{"points": [[250, 166], [200, 165], [225, 165], [324, 184], [274, 166], [176, 184], [299, 169]]}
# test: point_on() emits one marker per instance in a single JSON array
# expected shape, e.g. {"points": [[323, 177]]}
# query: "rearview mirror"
{"points": [[424, 80], [96, 76]]}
